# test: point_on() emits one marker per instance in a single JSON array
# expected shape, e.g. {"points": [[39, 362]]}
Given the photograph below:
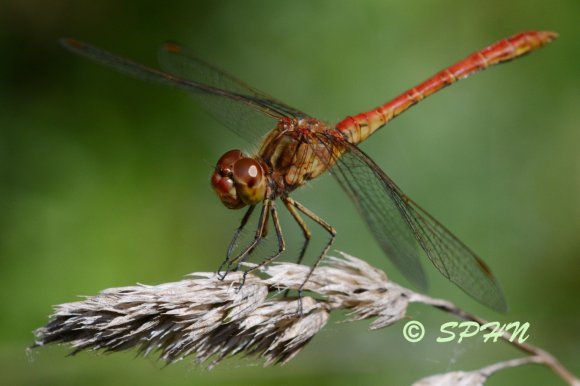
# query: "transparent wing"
{"points": [[182, 62], [398, 224], [249, 114], [380, 206]]}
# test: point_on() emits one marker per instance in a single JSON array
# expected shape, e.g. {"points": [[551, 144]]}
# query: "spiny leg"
{"points": [[329, 228], [257, 237], [305, 231], [264, 233], [232, 244], [279, 236], [266, 221], [301, 224]]}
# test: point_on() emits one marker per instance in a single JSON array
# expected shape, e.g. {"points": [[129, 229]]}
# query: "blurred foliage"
{"points": [[104, 179]]}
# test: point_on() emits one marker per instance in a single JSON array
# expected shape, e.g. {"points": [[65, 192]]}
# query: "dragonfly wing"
{"points": [[182, 62], [244, 113], [381, 208], [455, 260], [397, 222]]}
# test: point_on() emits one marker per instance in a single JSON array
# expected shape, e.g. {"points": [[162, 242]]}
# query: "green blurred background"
{"points": [[104, 180]]}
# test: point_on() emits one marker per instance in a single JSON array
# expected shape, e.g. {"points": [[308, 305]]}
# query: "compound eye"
{"points": [[226, 162], [222, 181], [249, 172], [249, 181]]}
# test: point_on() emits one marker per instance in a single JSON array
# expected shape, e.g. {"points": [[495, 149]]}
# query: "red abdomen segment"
{"points": [[361, 126]]}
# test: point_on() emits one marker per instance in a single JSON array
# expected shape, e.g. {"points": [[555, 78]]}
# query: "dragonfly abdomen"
{"points": [[359, 127]]}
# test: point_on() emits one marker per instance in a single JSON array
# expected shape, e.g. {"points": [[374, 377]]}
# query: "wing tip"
{"points": [[500, 305], [496, 301]]}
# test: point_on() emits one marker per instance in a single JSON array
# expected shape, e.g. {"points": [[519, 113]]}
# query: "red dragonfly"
{"points": [[296, 148]]}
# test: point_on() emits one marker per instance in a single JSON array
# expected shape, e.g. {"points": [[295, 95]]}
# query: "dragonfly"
{"points": [[295, 147]]}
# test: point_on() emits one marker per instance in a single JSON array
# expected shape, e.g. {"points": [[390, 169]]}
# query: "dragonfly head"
{"points": [[239, 180]]}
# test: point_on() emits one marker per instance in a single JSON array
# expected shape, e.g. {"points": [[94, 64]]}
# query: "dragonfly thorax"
{"points": [[239, 180]]}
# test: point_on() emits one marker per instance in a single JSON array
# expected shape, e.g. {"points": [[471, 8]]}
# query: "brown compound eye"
{"points": [[226, 163], [249, 180], [222, 182], [248, 172], [239, 180]]}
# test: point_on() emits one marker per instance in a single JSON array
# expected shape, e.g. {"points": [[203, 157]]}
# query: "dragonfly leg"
{"points": [[264, 233], [303, 226], [281, 242], [329, 228], [259, 236], [305, 231], [229, 262], [234, 240]]}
